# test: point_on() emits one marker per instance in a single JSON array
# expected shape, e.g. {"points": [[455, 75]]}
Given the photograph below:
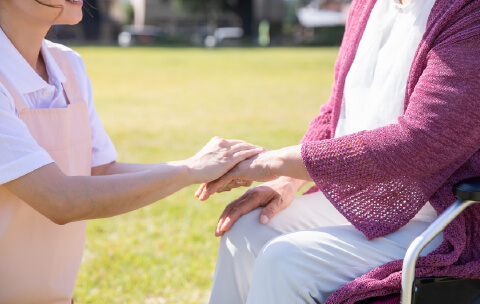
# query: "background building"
{"points": [[189, 22]]}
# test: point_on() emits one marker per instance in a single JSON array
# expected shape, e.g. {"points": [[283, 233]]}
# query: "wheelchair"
{"points": [[441, 290]]}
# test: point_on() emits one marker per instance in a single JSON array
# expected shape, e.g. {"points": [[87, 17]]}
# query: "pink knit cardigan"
{"points": [[380, 179]]}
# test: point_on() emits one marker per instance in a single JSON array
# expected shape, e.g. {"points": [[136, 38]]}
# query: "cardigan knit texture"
{"points": [[380, 179]]}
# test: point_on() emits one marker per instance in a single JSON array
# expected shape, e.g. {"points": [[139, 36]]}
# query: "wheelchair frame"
{"points": [[467, 193]]}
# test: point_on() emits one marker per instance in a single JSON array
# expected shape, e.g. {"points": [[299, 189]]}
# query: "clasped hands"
{"points": [[282, 170]]}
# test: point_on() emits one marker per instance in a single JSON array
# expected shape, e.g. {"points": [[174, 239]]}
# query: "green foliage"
{"points": [[200, 6], [128, 15], [164, 104]]}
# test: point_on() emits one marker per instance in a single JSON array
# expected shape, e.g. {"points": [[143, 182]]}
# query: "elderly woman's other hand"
{"points": [[274, 196]]}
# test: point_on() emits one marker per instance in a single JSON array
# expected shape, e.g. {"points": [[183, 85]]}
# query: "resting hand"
{"points": [[275, 196], [218, 157]]}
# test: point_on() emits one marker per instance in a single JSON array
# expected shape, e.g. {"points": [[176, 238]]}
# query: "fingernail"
{"points": [[224, 225], [264, 219]]}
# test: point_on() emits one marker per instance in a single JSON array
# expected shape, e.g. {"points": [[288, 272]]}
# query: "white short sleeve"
{"points": [[19, 152]]}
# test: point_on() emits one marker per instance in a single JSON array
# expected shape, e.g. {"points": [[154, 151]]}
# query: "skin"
{"points": [[26, 23], [114, 188], [283, 173]]}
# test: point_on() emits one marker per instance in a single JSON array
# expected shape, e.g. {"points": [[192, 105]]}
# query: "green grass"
{"points": [[164, 104]]}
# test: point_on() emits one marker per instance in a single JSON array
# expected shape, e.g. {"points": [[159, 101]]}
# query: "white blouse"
{"points": [[375, 86], [19, 152]]}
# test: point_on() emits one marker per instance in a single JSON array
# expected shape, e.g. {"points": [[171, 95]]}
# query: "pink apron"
{"points": [[39, 260]]}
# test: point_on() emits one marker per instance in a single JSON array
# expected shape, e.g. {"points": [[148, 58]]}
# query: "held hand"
{"points": [[232, 185], [256, 168], [262, 168], [218, 157], [274, 196]]}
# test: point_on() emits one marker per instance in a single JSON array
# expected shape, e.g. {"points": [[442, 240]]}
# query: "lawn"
{"points": [[164, 104]]}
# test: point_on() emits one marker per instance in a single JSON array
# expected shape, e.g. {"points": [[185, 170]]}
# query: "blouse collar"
{"points": [[20, 74]]}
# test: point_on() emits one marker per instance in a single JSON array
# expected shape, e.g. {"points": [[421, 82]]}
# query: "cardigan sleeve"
{"points": [[321, 126], [379, 179]]}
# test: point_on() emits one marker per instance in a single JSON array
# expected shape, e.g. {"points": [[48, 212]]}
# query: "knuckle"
{"points": [[251, 193], [235, 209], [269, 212], [227, 209]]}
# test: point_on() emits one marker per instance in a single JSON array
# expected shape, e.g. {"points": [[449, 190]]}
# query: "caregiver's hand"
{"points": [[275, 196], [261, 168], [217, 157], [117, 188]]}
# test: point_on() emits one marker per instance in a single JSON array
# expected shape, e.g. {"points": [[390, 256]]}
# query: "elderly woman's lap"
{"points": [[304, 254]]}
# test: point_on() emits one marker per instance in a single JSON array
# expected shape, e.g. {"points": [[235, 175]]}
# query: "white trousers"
{"points": [[304, 254]]}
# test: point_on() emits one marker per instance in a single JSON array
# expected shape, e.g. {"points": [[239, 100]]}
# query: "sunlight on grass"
{"points": [[164, 104]]}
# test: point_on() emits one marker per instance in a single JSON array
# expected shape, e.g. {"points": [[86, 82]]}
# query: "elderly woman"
{"points": [[401, 127]]}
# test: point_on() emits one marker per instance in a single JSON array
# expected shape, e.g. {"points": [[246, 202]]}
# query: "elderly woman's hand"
{"points": [[274, 196], [261, 168], [217, 157]]}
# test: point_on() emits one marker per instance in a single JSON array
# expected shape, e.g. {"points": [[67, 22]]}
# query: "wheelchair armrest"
{"points": [[468, 193]]}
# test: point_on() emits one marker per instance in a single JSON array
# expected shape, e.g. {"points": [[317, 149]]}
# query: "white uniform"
{"points": [[19, 152], [309, 250], [39, 260]]}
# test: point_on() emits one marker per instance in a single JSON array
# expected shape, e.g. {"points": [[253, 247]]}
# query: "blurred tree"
{"points": [[242, 8], [91, 21]]}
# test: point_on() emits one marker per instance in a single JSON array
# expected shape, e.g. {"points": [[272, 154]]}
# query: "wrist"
{"points": [[289, 162], [185, 172], [294, 183]]}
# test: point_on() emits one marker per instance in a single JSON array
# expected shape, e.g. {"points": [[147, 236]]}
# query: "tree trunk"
{"points": [[91, 22], [245, 10]]}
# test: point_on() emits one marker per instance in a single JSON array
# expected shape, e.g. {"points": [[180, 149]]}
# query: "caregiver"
{"points": [[57, 164]]}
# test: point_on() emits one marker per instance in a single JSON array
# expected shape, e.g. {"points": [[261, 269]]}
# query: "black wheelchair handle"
{"points": [[468, 189]]}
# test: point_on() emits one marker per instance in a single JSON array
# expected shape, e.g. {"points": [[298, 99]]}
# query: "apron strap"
{"points": [[20, 104], [72, 90]]}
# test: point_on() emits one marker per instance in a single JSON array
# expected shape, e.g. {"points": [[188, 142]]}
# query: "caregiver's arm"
{"points": [[120, 168], [65, 199]]}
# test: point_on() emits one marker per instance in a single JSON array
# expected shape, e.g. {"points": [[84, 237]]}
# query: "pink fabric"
{"points": [[39, 260], [380, 179]]}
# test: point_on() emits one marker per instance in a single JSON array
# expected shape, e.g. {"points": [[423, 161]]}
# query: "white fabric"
{"points": [[19, 153], [375, 86], [305, 253]]}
